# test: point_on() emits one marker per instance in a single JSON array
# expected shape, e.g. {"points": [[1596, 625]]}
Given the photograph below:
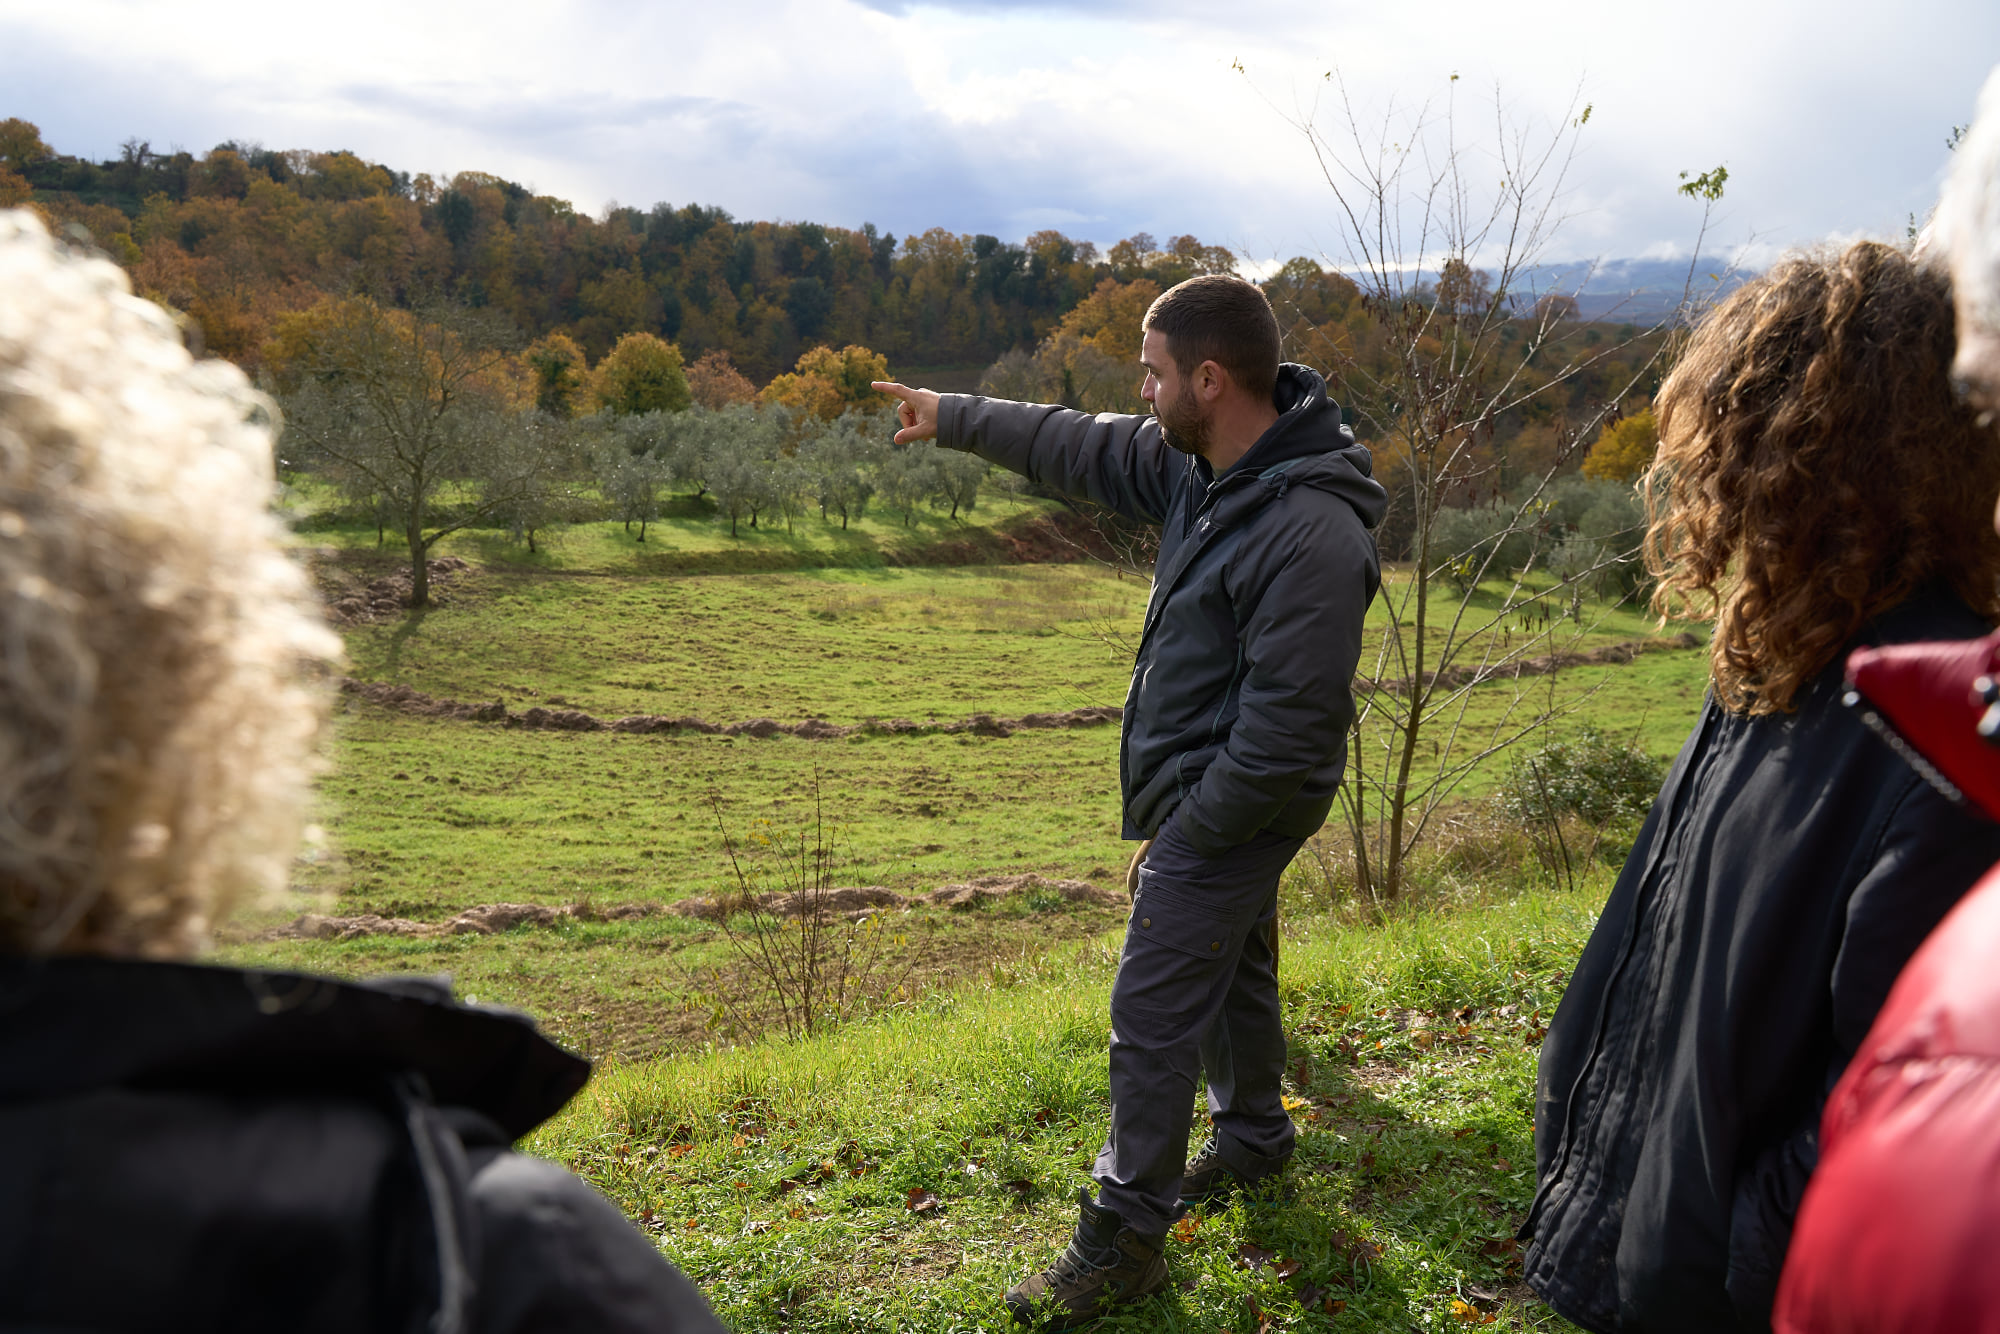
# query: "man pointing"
{"points": [[1233, 742]]}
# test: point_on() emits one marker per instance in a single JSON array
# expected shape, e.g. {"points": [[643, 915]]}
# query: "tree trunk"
{"points": [[420, 570], [1413, 721]]}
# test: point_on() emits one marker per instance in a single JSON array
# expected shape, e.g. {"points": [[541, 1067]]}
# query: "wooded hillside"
{"points": [[241, 234]]}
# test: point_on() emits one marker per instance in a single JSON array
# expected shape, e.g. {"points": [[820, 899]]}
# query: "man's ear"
{"points": [[1211, 381]]}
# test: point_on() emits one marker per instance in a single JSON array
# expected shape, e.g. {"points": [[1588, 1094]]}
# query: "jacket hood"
{"points": [[73, 1025], [1309, 445], [1930, 702]]}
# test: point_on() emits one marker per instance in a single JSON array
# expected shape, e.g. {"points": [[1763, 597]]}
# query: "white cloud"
{"points": [[1100, 118]]}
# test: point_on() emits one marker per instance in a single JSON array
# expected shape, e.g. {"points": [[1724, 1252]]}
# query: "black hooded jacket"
{"points": [[1242, 685], [1789, 868], [201, 1148]]}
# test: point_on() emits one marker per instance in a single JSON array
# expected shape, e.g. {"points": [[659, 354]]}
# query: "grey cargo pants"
{"points": [[1197, 990]]}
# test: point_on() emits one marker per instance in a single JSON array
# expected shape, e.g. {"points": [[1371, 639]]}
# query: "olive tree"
{"points": [[401, 405]]}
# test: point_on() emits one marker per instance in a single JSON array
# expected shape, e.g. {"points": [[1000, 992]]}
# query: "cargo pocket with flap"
{"points": [[1176, 946]]}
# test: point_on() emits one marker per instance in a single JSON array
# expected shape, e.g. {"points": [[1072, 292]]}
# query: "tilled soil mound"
{"points": [[489, 918], [1454, 677], [852, 902], [404, 699], [484, 920], [390, 595]]}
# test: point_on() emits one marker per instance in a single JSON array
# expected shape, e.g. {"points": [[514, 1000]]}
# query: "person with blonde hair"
{"points": [[1818, 488], [198, 1147]]}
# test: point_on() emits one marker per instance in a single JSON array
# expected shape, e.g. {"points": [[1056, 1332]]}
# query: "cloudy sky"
{"points": [[1100, 117]]}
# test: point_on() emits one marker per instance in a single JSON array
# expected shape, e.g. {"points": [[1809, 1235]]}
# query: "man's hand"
{"points": [[918, 411]]}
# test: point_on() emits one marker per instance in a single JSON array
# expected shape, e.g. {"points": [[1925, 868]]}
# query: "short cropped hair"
{"points": [[1815, 468], [1967, 230], [1220, 318], [158, 649]]}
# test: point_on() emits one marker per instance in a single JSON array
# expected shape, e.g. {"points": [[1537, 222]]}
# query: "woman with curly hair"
{"points": [[1818, 487], [196, 1147]]}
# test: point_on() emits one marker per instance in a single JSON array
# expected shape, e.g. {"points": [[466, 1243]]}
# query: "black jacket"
{"points": [[199, 1148], [1787, 871], [1241, 690]]}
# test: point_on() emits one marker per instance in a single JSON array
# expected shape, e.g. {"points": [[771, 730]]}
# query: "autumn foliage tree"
{"points": [[1624, 448], [714, 382], [826, 383], [1090, 360], [560, 374], [642, 373]]}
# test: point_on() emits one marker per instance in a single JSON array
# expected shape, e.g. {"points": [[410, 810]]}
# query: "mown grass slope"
{"points": [[898, 1174]]}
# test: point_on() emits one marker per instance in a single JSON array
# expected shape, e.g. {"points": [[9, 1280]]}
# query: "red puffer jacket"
{"points": [[1900, 1227]]}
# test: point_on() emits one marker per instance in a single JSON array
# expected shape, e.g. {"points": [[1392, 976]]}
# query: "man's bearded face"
{"points": [[1182, 424]]}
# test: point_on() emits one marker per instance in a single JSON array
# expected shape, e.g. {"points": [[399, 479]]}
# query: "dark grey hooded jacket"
{"points": [[1241, 696]]}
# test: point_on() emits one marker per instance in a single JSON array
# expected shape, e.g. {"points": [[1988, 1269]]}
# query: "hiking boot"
{"points": [[1107, 1264], [1209, 1179]]}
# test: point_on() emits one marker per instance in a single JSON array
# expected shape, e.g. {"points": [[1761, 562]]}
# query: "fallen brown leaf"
{"points": [[1252, 1256]]}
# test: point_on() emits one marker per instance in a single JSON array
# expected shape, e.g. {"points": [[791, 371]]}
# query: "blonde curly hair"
{"points": [[159, 653]]}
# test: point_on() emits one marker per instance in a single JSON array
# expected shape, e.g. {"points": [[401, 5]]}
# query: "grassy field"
{"points": [[897, 1175], [784, 1175], [687, 538], [426, 817]]}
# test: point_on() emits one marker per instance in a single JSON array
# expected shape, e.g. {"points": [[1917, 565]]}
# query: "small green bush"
{"points": [[1484, 542], [1596, 778]]}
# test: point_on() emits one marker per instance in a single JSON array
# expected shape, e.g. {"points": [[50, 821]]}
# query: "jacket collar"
{"points": [[73, 1025]]}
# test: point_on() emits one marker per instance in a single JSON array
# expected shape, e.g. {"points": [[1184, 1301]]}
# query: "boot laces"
{"points": [[1086, 1254]]}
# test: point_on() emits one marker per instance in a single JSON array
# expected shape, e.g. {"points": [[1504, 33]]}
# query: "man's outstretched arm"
{"points": [[1116, 461]]}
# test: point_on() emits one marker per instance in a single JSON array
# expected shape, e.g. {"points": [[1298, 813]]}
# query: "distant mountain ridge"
{"points": [[1641, 291]]}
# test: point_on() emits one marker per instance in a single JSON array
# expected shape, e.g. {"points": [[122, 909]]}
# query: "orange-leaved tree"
{"points": [[1090, 360], [826, 383], [715, 383]]}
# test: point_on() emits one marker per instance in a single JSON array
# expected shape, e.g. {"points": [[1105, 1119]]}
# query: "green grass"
{"points": [[795, 1160], [840, 644], [428, 817], [780, 1176], [688, 538]]}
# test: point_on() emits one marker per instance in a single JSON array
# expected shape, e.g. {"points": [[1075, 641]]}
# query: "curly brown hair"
{"points": [[1815, 468]]}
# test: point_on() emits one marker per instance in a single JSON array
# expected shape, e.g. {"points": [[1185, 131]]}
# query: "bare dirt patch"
{"points": [[1610, 655], [1044, 539], [406, 699], [353, 599], [854, 901], [860, 902]]}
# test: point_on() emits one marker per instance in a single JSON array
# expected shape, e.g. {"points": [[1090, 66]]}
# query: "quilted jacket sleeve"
{"points": [[1114, 460]]}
